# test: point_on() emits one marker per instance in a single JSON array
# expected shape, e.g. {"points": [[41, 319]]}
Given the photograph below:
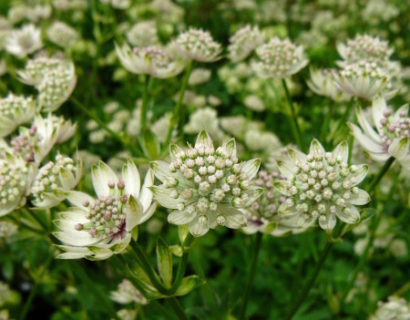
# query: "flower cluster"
{"points": [[24, 41], [197, 45], [394, 309], [279, 59], [321, 186], [205, 187], [243, 42], [392, 135], [14, 111], [322, 82]]}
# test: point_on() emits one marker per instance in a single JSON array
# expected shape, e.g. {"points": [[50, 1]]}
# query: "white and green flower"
{"points": [[243, 42], [127, 293]]}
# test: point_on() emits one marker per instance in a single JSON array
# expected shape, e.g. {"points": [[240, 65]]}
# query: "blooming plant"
{"points": [[204, 159]]}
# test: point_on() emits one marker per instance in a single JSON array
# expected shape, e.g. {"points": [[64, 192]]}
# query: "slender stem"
{"points": [[182, 264], [344, 118], [179, 112], [258, 242], [402, 290], [293, 120], [380, 174], [177, 308], [144, 105]]}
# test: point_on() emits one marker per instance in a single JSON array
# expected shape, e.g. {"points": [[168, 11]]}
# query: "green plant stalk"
{"points": [[144, 105], [182, 264], [383, 170], [293, 120], [179, 112], [344, 118], [177, 308], [256, 249]]}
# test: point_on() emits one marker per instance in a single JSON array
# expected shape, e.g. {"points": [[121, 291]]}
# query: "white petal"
{"points": [[250, 168], [230, 146], [342, 151], [360, 198], [101, 175], [78, 198], [148, 213], [203, 139], [162, 195], [399, 148], [367, 143], [378, 106], [161, 170], [133, 211], [349, 215], [296, 156], [316, 147], [198, 227], [327, 222], [180, 217], [73, 252], [367, 127], [146, 193], [359, 174], [131, 178]]}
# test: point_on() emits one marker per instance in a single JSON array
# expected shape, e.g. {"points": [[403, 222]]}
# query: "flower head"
{"points": [[24, 41], [205, 187], [98, 228], [321, 186], [54, 180], [154, 60], [279, 59], [392, 134], [394, 309], [62, 34], [197, 45], [243, 42], [143, 34], [322, 82], [127, 293], [14, 111]]}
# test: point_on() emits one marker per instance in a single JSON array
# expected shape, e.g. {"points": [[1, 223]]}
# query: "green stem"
{"points": [[293, 119], [179, 112], [182, 264], [402, 290], [258, 242], [380, 174], [177, 308], [344, 118], [144, 105]]}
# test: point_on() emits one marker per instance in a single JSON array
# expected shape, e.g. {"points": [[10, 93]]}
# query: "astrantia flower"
{"points": [[279, 59], [14, 111], [143, 34], [35, 69], [394, 309], [197, 45], [364, 79], [99, 228], [54, 180], [205, 187], [243, 42], [13, 181], [155, 61], [364, 47], [62, 34], [392, 134], [24, 41], [127, 293], [321, 186], [322, 82]]}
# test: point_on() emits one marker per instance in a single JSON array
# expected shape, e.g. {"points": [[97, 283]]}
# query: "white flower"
{"points": [[321, 186], [127, 293], [13, 182], [154, 60], [394, 309], [322, 82], [197, 45], [254, 103], [14, 111], [54, 180], [143, 34], [205, 187], [99, 228], [7, 231], [392, 134], [243, 42], [24, 41], [257, 140], [62, 34], [199, 76], [205, 119], [279, 59]]}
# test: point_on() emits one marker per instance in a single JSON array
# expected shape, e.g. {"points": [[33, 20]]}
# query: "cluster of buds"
{"points": [[392, 134], [24, 41], [205, 187], [279, 59], [62, 34], [14, 111], [54, 180], [197, 45], [126, 293], [243, 42], [321, 186], [322, 82], [98, 228], [155, 61]]}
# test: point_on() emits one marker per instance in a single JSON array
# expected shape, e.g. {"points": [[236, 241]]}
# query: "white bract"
{"points": [[322, 82], [205, 187], [279, 59], [14, 111], [155, 61], [98, 228], [321, 186], [24, 41], [392, 134], [243, 42]]}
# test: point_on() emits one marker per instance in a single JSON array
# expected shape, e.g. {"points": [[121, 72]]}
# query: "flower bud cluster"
{"points": [[393, 126], [394, 308], [362, 69], [62, 34], [279, 59], [197, 45], [243, 42], [14, 111], [25, 143]]}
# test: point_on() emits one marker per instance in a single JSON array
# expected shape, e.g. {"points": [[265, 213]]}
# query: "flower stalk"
{"points": [[144, 106], [293, 120]]}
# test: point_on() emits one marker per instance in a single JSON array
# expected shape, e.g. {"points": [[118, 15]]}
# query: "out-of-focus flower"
{"points": [[98, 228], [243, 42], [8, 296], [13, 182], [155, 61], [205, 119], [75, 5], [321, 186], [322, 82], [364, 80], [24, 41], [377, 11], [254, 103], [161, 126], [394, 309], [54, 180], [117, 4], [279, 59], [62, 34], [3, 65], [205, 187], [199, 76], [258, 140], [143, 34], [127, 293], [14, 111], [7, 230], [392, 134], [197, 45]]}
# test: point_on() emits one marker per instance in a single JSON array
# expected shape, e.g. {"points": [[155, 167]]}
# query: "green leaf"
{"points": [[176, 250], [188, 284], [182, 233], [164, 261]]}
